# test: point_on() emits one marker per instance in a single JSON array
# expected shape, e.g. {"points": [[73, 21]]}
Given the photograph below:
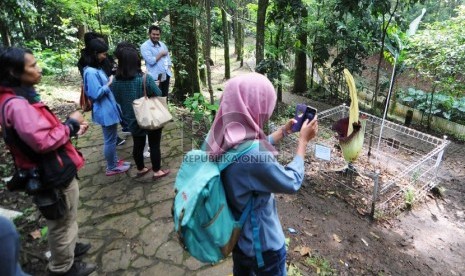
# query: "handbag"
{"points": [[84, 102], [51, 203], [151, 113]]}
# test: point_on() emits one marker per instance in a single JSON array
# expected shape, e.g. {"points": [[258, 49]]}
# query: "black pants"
{"points": [[164, 86], [154, 137]]}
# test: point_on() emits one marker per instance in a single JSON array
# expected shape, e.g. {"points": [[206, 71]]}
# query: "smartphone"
{"points": [[302, 113]]}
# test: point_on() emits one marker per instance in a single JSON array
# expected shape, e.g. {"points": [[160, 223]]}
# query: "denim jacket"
{"points": [[105, 110], [258, 171]]}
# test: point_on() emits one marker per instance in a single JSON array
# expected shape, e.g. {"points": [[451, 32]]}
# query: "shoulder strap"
{"points": [[5, 137], [144, 85], [25, 149], [233, 154]]}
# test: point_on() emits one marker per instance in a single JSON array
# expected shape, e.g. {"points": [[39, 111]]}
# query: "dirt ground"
{"points": [[427, 240], [335, 237], [337, 240]]}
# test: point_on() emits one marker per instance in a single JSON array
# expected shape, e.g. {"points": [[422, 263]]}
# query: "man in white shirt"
{"points": [[157, 59]]}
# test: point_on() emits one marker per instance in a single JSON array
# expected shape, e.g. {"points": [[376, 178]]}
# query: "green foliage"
{"points": [[321, 265], [409, 197], [129, 20], [272, 67], [200, 107], [26, 212], [51, 61], [44, 233], [443, 105], [6, 169], [217, 28], [437, 52], [293, 270]]}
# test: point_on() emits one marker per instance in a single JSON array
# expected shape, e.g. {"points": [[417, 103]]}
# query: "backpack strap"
{"points": [[248, 209], [257, 245]]}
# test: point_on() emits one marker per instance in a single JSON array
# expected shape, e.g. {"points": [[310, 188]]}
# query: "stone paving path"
{"points": [[127, 219]]}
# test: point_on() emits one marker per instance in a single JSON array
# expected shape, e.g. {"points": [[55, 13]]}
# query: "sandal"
{"points": [[165, 173], [143, 172]]}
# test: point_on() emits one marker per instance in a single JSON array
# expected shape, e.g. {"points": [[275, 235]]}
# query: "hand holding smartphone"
{"points": [[302, 113]]}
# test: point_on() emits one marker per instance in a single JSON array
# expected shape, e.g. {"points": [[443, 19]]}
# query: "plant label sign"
{"points": [[323, 152]]}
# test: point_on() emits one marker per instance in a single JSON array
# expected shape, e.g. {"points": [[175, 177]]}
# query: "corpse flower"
{"points": [[351, 130]]}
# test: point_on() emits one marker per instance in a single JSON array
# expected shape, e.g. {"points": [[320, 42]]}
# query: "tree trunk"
{"points": [[227, 67], [375, 95], [279, 39], [207, 49], [381, 55], [300, 74], [236, 33], [5, 33], [240, 56], [81, 32], [185, 50], [260, 42], [315, 35]]}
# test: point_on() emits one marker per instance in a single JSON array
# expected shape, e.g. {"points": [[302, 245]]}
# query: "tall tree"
{"points": [[185, 48], [207, 47], [387, 15], [300, 73], [260, 40], [238, 28], [227, 66]]}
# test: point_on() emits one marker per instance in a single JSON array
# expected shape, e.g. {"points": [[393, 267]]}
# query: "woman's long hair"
{"points": [[129, 61], [96, 46], [12, 66]]}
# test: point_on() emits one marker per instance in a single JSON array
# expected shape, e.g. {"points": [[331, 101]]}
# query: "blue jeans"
{"points": [[110, 134], [275, 263], [9, 249]]}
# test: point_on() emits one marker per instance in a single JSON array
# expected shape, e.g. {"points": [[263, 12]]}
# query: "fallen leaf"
{"points": [[305, 250], [336, 238], [364, 242], [308, 233], [297, 249], [374, 235], [35, 234], [361, 211]]}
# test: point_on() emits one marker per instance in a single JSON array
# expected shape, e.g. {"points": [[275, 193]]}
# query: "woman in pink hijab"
{"points": [[246, 105]]}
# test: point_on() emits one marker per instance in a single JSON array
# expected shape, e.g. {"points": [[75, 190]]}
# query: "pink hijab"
{"points": [[246, 104]]}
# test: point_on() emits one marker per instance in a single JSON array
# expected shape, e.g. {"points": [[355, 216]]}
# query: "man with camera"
{"points": [[157, 59], [46, 162]]}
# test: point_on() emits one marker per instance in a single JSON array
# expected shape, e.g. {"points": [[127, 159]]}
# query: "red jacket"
{"points": [[39, 128]]}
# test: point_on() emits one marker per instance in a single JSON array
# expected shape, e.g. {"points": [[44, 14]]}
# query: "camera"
{"points": [[303, 113], [33, 185], [25, 180]]}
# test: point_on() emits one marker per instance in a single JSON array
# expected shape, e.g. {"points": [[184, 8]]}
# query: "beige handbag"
{"points": [[151, 113]]}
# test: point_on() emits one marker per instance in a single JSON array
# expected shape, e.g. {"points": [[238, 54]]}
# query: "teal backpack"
{"points": [[202, 218]]}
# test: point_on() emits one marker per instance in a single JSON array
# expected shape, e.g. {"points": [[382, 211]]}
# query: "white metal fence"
{"points": [[382, 181]]}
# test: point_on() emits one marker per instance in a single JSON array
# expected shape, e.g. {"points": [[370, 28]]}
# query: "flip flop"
{"points": [[165, 173], [142, 173]]}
